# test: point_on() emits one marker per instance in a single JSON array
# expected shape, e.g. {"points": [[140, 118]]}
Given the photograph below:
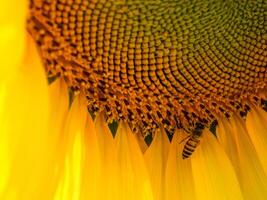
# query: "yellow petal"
{"points": [[179, 179], [92, 176], [156, 159], [111, 188], [256, 123], [24, 130], [12, 34], [4, 167], [13, 12], [213, 173], [69, 152], [235, 140], [80, 168], [105, 139], [142, 144], [59, 101], [133, 173]]}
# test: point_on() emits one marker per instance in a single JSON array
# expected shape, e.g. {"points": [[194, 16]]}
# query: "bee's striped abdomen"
{"points": [[193, 140], [190, 146]]}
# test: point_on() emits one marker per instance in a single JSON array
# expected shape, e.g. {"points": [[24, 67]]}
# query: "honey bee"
{"points": [[192, 141]]}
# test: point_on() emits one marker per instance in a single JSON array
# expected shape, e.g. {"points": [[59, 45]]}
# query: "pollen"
{"points": [[160, 63]]}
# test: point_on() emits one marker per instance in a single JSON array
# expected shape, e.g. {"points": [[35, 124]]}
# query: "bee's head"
{"points": [[199, 126]]}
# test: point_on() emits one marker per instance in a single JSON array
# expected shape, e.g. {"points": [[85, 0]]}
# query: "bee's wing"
{"points": [[184, 139]]}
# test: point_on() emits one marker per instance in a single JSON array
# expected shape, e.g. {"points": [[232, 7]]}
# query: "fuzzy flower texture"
{"points": [[133, 100]]}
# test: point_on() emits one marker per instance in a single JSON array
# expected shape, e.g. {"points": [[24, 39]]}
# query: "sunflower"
{"points": [[108, 99]]}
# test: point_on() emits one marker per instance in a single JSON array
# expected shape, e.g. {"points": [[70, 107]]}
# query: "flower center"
{"points": [[156, 63]]}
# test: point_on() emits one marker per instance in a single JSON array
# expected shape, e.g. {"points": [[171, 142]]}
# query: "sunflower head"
{"points": [[155, 67], [155, 64]]}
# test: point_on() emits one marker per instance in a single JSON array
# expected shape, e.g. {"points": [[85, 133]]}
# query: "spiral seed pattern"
{"points": [[153, 63]]}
